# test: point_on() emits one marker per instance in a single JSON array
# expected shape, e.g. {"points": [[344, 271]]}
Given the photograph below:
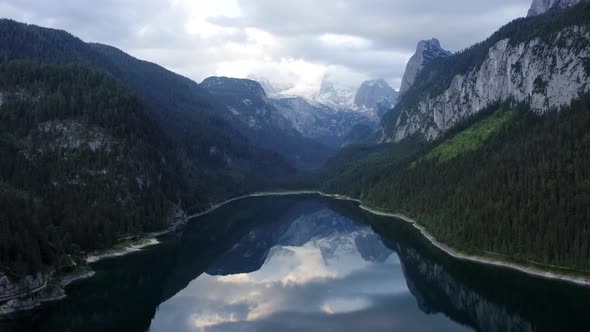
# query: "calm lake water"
{"points": [[305, 263]]}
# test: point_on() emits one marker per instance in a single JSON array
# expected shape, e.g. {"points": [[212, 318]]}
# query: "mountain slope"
{"points": [[216, 160], [542, 61], [375, 96], [245, 105], [508, 182], [504, 171], [81, 165], [320, 122], [542, 6]]}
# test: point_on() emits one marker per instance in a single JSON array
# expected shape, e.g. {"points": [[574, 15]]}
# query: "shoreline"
{"points": [[45, 293], [37, 297], [537, 272], [131, 248], [151, 239]]}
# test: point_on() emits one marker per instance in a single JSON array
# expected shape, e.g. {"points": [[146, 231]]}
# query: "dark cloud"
{"points": [[372, 38]]}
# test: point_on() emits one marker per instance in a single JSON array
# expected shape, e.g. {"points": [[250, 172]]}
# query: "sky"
{"points": [[295, 43]]}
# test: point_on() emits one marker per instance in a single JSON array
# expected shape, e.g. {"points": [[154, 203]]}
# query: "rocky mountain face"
{"points": [[245, 101], [245, 104], [335, 96], [375, 96], [331, 114], [541, 6], [320, 122], [546, 68], [426, 51]]}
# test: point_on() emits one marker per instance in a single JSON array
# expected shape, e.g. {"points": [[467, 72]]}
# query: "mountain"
{"points": [[541, 61], [360, 134], [81, 165], [273, 89], [334, 95], [96, 146], [488, 149], [245, 104], [376, 96], [426, 51], [330, 116], [320, 122], [216, 160], [541, 6]]}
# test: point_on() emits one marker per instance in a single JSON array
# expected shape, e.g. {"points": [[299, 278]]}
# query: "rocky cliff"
{"points": [[546, 69], [541, 6], [245, 105], [426, 51], [375, 96]]}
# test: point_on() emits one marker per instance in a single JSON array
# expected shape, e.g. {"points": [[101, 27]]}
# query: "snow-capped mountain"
{"points": [[375, 96], [245, 104], [322, 123], [330, 114], [336, 96], [273, 89]]}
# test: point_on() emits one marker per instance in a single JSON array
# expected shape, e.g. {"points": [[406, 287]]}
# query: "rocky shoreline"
{"points": [[34, 290]]}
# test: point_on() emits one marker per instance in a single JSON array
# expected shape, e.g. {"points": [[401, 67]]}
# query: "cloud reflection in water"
{"points": [[334, 280]]}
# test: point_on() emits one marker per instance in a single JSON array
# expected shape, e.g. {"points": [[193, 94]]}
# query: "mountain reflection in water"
{"points": [[313, 268], [305, 263]]}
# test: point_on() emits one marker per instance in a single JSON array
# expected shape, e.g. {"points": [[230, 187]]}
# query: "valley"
{"points": [[483, 152]]}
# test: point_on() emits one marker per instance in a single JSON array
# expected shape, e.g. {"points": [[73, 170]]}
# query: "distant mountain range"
{"points": [[330, 114]]}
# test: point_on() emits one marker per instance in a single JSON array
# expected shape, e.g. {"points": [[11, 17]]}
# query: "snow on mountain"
{"points": [[375, 96], [336, 96]]}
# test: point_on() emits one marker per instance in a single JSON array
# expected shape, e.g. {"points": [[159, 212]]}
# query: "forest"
{"points": [[176, 104], [521, 191], [81, 165]]}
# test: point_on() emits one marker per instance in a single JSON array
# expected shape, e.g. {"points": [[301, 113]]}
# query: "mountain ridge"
{"points": [[515, 63]]}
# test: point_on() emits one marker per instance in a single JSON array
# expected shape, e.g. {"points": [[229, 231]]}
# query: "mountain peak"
{"points": [[426, 51], [375, 94], [215, 83], [333, 95], [273, 89], [539, 7]]}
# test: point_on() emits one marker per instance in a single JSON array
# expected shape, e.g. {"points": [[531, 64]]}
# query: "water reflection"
{"points": [[305, 263], [314, 269]]}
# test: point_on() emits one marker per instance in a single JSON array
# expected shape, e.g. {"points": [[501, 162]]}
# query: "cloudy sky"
{"points": [[289, 41]]}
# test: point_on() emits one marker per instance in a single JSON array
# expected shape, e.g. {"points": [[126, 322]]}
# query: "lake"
{"points": [[305, 263]]}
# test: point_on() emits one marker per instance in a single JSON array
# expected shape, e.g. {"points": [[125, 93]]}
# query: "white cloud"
{"points": [[296, 41], [344, 41]]}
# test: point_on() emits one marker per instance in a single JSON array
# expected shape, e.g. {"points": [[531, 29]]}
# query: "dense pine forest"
{"points": [[507, 182], [176, 104], [81, 165], [97, 146]]}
